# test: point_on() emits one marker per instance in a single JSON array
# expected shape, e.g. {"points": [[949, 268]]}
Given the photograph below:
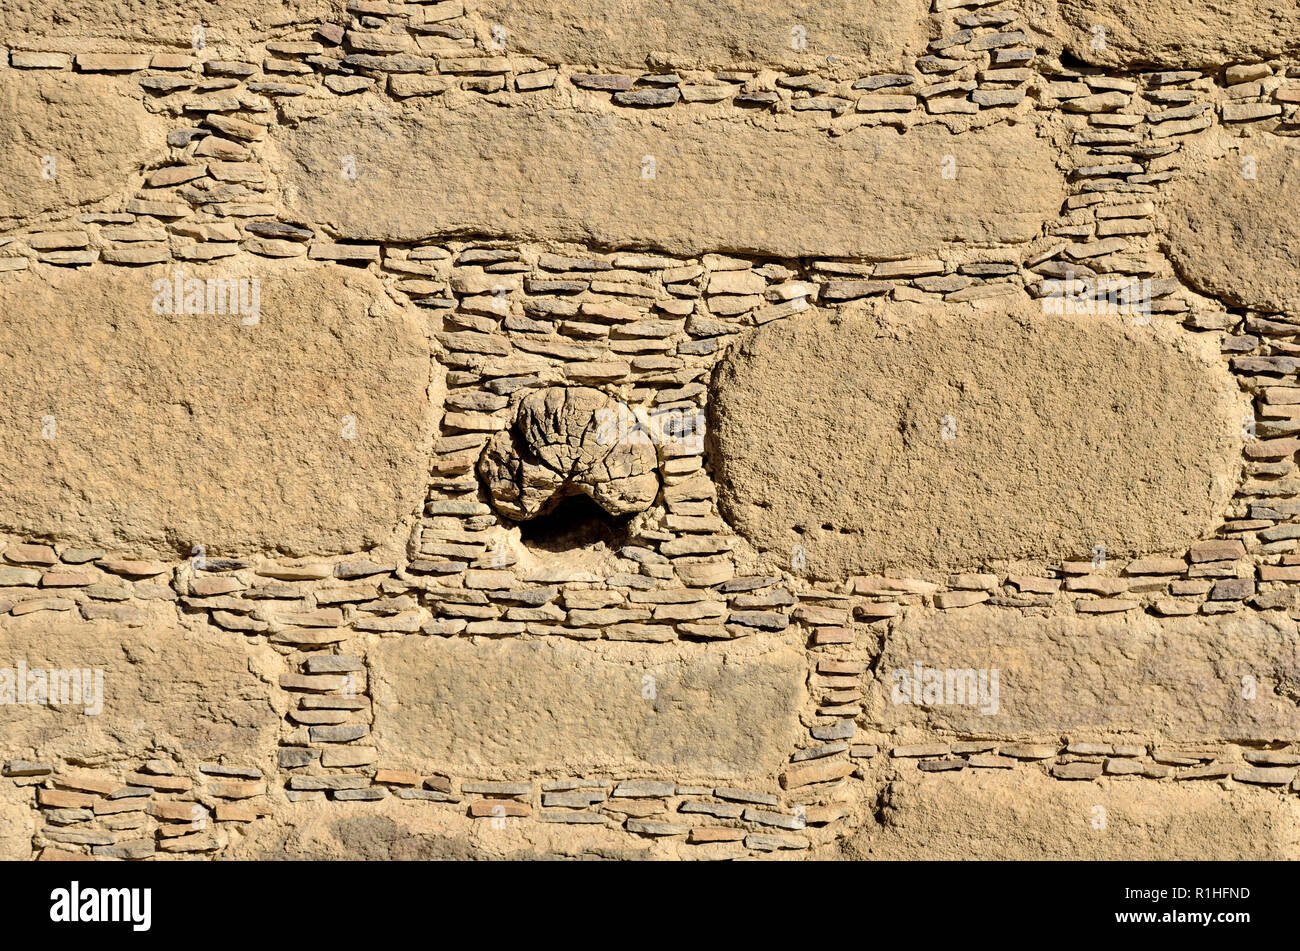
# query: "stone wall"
{"points": [[513, 429]]}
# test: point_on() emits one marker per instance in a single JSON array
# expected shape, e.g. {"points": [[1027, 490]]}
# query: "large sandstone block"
{"points": [[1169, 679], [713, 34], [159, 432], [1180, 34], [1232, 235], [77, 24], [523, 707], [535, 173], [192, 691], [95, 130], [1065, 432], [1025, 815]]}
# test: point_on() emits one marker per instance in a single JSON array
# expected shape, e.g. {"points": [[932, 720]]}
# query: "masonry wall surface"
{"points": [[519, 430]]}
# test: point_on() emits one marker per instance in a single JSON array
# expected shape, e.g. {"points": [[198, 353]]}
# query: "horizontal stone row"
{"points": [[1079, 760], [309, 602], [136, 815], [419, 59]]}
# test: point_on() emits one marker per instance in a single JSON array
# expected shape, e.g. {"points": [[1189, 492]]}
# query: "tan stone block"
{"points": [[909, 490], [806, 774], [555, 704], [59, 799], [1094, 675], [499, 808], [1025, 814], [1229, 233], [397, 777], [436, 179], [82, 782], [130, 480], [1170, 34], [161, 783]]}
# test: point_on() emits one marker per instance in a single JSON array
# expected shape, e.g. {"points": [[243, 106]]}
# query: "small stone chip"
{"points": [[1081, 770], [655, 827], [772, 842], [643, 789]]}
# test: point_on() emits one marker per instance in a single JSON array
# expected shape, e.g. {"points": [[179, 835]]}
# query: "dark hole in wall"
{"points": [[1075, 63], [577, 522]]}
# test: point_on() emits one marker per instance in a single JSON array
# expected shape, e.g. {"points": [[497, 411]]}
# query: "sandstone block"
{"points": [[1019, 814], [575, 708], [1231, 235], [932, 438], [154, 415], [73, 140], [856, 35], [584, 182], [1180, 35], [1074, 675]]}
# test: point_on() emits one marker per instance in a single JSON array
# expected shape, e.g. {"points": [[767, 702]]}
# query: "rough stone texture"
{"points": [[1178, 680], [1232, 236], [699, 34], [1067, 432], [566, 440], [720, 185], [533, 707], [17, 823], [79, 23], [174, 689], [180, 430], [96, 130], [478, 227], [992, 815], [1181, 33]]}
